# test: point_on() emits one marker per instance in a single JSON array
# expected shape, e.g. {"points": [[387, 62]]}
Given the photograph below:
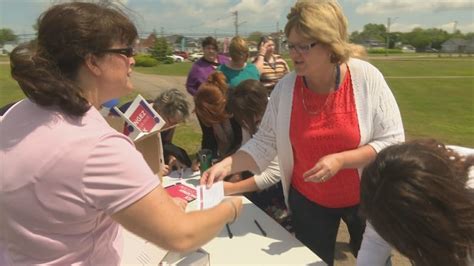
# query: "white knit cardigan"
{"points": [[380, 125], [378, 115]]}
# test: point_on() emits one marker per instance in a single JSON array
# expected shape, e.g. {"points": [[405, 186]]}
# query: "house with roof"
{"points": [[455, 45]]}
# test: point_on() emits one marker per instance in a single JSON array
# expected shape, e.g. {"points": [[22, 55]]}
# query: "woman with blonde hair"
{"points": [[237, 69], [325, 121]]}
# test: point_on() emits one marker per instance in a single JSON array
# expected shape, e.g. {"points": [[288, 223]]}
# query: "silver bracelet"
{"points": [[235, 211]]}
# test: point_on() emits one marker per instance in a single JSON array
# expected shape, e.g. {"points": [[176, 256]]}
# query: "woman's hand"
{"points": [[195, 165], [174, 163], [165, 170], [216, 173], [324, 169]]}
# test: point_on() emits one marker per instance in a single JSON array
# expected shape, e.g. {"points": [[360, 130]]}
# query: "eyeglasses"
{"points": [[128, 52], [301, 48]]}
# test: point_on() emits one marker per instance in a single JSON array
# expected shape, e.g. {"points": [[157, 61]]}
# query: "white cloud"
{"points": [[207, 16], [386, 6], [398, 27], [463, 27]]}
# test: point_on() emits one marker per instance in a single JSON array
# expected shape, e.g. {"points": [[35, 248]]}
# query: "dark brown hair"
{"points": [[211, 99], [209, 41], [45, 70], [247, 101], [416, 197]]}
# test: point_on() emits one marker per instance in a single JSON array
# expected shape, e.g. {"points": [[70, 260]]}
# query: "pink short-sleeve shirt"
{"points": [[61, 178]]}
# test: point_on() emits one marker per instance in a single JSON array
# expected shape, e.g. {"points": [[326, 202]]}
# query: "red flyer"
{"points": [[143, 118], [179, 190]]}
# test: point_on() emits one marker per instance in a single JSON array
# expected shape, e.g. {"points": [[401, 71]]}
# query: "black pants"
{"points": [[317, 226]]}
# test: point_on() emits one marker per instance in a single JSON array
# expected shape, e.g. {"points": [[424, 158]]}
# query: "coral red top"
{"points": [[322, 125]]}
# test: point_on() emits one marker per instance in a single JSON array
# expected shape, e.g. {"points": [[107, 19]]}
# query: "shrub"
{"points": [[382, 51], [168, 60], [145, 61]]}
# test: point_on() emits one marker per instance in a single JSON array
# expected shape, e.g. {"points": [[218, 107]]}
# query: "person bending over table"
{"points": [[419, 196], [247, 103]]}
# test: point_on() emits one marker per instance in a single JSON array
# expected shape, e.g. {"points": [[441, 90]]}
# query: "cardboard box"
{"points": [[142, 124]]}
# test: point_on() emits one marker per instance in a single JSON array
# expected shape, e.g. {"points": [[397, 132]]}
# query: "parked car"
{"points": [[183, 54], [176, 58], [431, 50], [408, 49], [196, 56]]}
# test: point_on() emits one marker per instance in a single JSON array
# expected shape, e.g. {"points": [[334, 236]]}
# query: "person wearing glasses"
{"points": [[326, 121], [272, 67], [206, 65], [69, 180]]}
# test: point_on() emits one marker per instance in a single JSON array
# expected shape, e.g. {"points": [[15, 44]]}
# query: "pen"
{"points": [[181, 173], [261, 229], [228, 231]]}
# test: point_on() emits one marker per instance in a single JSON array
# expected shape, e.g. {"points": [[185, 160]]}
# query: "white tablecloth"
{"points": [[248, 246]]}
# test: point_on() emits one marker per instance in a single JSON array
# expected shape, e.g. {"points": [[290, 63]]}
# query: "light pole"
{"points": [[389, 22]]}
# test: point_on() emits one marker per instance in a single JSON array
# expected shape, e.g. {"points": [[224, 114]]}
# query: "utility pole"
{"points": [[278, 44], [236, 22], [389, 22]]}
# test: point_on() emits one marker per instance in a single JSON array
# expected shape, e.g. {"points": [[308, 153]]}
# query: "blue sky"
{"points": [[214, 16]]}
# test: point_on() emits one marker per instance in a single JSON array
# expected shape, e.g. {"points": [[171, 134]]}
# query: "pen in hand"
{"points": [[260, 228], [228, 231]]}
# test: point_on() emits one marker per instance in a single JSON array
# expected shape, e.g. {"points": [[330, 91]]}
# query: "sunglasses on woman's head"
{"points": [[128, 52]]}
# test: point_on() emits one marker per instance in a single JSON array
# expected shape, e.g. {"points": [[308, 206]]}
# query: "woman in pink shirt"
{"points": [[68, 180]]}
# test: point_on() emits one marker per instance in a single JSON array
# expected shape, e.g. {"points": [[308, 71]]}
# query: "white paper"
{"points": [[138, 251], [138, 112], [208, 198]]}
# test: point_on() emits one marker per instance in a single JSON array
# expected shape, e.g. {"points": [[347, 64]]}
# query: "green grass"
{"points": [[176, 69], [441, 108], [426, 67], [188, 137], [9, 89]]}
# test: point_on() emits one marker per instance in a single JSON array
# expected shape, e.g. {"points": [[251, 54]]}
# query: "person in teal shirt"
{"points": [[237, 69]]}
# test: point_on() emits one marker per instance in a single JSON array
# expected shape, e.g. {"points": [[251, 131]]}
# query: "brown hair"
{"points": [[211, 99], [247, 101], [415, 196], [45, 70], [209, 41], [323, 21], [238, 48]]}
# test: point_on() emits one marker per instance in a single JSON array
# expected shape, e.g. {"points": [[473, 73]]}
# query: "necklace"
{"points": [[337, 83]]}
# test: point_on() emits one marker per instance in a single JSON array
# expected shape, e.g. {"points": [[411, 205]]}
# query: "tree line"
{"points": [[420, 38]]}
